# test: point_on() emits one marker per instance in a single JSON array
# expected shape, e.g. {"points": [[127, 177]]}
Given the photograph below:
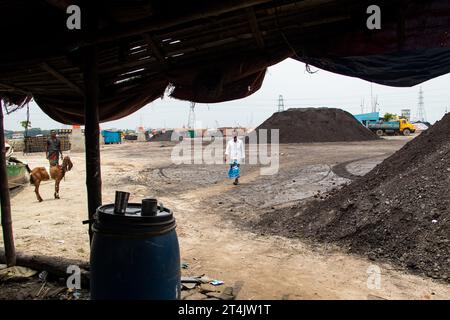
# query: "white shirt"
{"points": [[235, 150]]}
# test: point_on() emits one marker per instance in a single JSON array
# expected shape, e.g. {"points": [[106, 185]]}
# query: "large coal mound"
{"points": [[303, 125], [165, 136], [399, 211]]}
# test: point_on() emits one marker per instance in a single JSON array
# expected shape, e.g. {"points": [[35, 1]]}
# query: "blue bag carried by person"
{"points": [[234, 171]]}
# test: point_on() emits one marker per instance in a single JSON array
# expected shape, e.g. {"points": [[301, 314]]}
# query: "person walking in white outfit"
{"points": [[235, 153]]}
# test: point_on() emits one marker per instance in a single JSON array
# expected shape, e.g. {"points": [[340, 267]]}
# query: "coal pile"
{"points": [[303, 125], [398, 212], [165, 136]]}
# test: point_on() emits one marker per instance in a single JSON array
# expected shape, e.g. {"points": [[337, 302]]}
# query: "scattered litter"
{"points": [[434, 221], [184, 265], [16, 273], [43, 276], [199, 289], [216, 282], [73, 293], [40, 290], [206, 287], [189, 285], [60, 241], [198, 279], [190, 280], [77, 295]]}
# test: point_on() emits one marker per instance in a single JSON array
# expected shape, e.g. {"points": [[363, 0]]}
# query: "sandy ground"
{"points": [[211, 215]]}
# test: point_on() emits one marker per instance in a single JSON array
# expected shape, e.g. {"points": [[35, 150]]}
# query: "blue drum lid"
{"points": [[132, 223]]}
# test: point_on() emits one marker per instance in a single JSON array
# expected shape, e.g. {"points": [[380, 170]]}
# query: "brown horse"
{"points": [[57, 173]]}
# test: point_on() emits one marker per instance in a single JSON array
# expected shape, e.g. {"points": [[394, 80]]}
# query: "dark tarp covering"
{"points": [[208, 52], [400, 69], [412, 46], [71, 109]]}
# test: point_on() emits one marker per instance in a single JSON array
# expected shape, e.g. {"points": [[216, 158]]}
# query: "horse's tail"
{"points": [[28, 168], [31, 179]]}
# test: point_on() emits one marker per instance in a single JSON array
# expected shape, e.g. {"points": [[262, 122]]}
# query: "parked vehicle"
{"points": [[401, 126], [381, 127], [16, 171]]}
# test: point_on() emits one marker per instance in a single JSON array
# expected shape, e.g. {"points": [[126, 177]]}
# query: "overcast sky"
{"points": [[290, 79]]}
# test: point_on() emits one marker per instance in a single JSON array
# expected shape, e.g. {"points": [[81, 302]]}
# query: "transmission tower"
{"points": [[373, 100], [191, 119], [421, 116], [375, 104], [280, 103]]}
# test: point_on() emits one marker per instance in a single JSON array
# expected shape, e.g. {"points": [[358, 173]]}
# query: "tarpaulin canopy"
{"points": [[208, 51]]}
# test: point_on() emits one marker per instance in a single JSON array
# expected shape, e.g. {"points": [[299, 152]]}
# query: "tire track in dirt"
{"points": [[341, 170]]}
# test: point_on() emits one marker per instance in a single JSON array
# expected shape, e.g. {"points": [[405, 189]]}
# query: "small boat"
{"points": [[16, 171]]}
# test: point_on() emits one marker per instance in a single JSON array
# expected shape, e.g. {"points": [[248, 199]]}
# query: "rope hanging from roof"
{"points": [[12, 102]]}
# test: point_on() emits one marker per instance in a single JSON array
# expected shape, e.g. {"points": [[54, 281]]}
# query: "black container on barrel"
{"points": [[135, 255]]}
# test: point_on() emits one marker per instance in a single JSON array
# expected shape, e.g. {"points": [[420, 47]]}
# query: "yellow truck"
{"points": [[402, 126]]}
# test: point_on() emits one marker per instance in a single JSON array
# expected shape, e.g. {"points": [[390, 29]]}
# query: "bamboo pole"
{"points": [[91, 122], [8, 237], [92, 133]]}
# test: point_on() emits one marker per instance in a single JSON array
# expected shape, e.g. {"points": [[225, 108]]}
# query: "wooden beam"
{"points": [[5, 201], [300, 5], [12, 88], [56, 266], [155, 48], [254, 27], [61, 4], [91, 119], [161, 23], [61, 77]]}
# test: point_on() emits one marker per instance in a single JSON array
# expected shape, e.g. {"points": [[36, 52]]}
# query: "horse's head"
{"points": [[67, 164]]}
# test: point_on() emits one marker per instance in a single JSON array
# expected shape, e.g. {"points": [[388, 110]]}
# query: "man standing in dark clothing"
{"points": [[53, 149]]}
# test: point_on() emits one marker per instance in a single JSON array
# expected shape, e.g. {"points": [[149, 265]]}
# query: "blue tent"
{"points": [[111, 136]]}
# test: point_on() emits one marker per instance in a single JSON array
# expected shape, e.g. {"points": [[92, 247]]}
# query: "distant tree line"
{"points": [[32, 132]]}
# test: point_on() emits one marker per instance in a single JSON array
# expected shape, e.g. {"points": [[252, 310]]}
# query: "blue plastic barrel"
{"points": [[134, 256]]}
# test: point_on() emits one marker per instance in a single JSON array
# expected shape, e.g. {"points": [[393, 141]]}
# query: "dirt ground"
{"points": [[212, 214]]}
